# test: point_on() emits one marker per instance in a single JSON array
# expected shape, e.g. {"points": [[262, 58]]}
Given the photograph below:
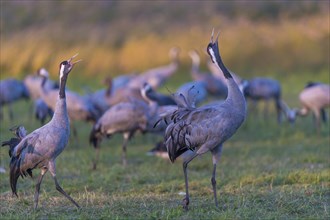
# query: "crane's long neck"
{"points": [[43, 84], [235, 96], [61, 117]]}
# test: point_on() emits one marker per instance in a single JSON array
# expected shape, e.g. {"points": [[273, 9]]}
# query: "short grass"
{"points": [[267, 171]]}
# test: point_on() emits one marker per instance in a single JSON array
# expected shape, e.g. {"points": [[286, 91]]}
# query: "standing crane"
{"points": [[126, 118], [206, 128], [40, 148]]}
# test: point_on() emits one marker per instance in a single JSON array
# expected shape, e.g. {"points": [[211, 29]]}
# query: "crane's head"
{"points": [[66, 66], [213, 49], [43, 72]]}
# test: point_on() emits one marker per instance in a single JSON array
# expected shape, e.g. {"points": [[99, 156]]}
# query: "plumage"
{"points": [[126, 118], [40, 148], [205, 128]]}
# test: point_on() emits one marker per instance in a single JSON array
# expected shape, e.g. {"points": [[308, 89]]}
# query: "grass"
{"points": [[267, 171]]}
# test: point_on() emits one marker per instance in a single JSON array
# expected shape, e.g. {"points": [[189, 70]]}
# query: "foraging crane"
{"points": [[126, 118], [40, 148], [156, 77], [205, 129], [213, 85], [261, 88], [314, 98], [11, 90]]}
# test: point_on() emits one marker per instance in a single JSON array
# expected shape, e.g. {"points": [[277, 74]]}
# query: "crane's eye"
{"points": [[64, 63]]}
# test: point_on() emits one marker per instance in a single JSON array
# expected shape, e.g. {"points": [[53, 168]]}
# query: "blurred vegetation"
{"points": [[114, 37]]}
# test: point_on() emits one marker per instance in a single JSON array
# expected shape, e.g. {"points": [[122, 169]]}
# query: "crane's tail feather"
{"points": [[14, 174]]}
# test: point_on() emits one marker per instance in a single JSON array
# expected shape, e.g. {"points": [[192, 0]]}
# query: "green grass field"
{"points": [[267, 171]]}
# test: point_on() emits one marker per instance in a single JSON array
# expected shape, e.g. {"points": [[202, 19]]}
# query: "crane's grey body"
{"points": [[213, 85], [206, 128], [126, 118], [11, 90], [262, 88], [40, 148]]}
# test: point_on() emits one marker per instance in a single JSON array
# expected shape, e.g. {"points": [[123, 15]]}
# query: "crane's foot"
{"points": [[185, 203]]}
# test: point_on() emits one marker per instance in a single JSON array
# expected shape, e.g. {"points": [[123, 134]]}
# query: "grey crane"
{"points": [[156, 77], [213, 85], [11, 90], [126, 118], [205, 129], [40, 148], [314, 98], [263, 88]]}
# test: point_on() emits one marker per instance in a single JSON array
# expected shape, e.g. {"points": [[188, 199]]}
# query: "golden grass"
{"points": [[282, 46]]}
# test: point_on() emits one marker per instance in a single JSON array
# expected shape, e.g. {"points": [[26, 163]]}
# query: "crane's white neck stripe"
{"points": [[214, 59], [62, 71]]}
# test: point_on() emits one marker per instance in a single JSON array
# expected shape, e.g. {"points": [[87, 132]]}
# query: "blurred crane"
{"points": [[205, 129], [126, 118], [40, 148], [314, 97], [156, 77], [261, 88], [11, 90]]}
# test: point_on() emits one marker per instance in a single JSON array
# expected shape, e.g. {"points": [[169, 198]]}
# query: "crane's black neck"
{"points": [[62, 86], [224, 69]]}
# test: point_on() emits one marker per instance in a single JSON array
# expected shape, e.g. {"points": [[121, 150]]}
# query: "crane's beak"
{"points": [[75, 61]]}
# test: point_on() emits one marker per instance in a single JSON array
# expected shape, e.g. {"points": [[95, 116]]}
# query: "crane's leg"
{"points": [[324, 115], [185, 165], [317, 121], [58, 187], [97, 155], [216, 154], [126, 137], [36, 194], [278, 107]]}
